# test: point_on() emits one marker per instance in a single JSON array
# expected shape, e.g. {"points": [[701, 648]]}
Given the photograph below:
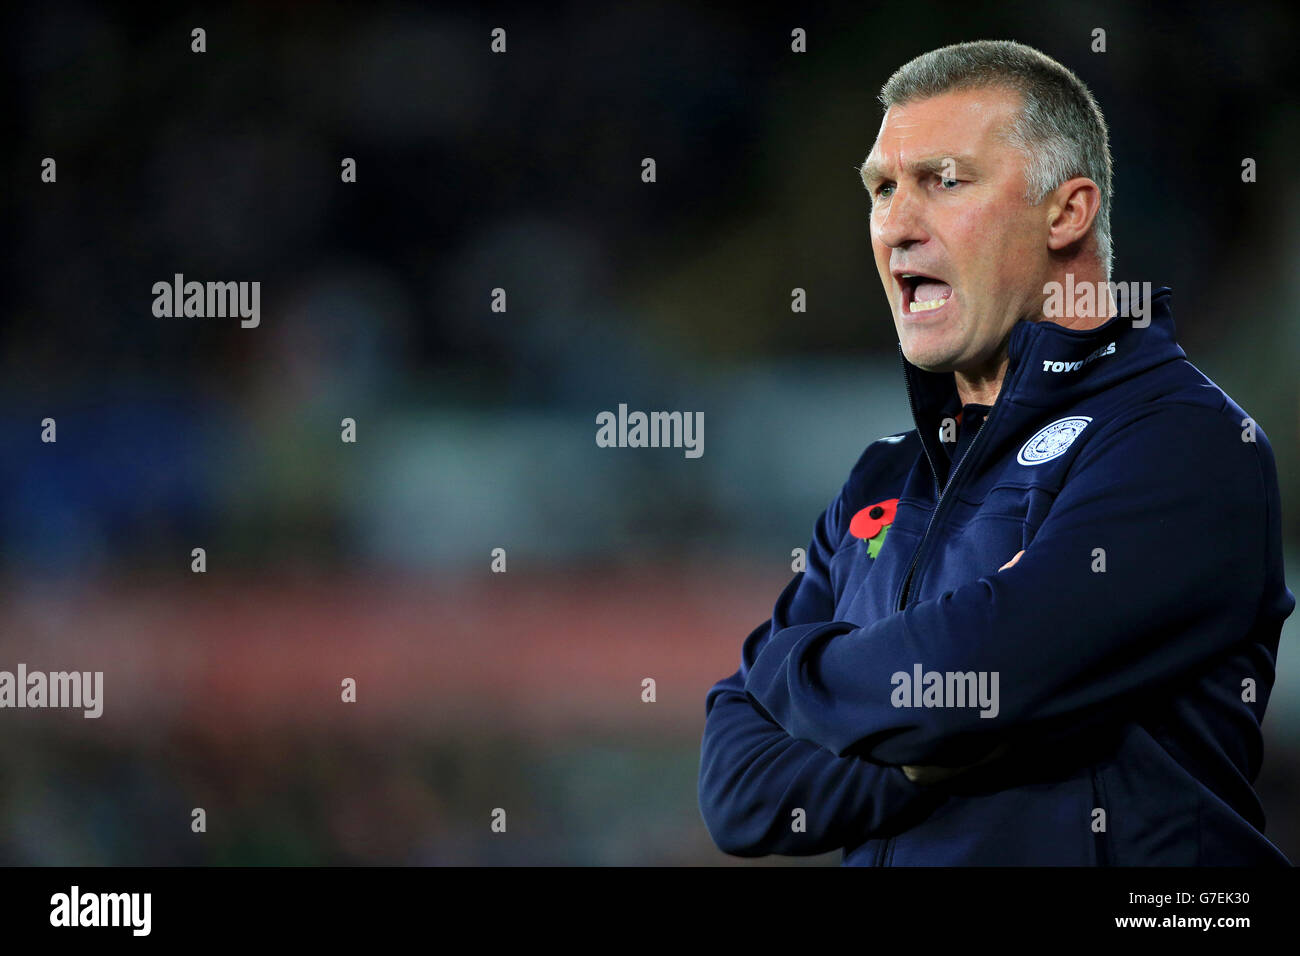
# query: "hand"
{"points": [[928, 776]]}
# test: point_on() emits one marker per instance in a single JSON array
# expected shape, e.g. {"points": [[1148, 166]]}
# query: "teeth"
{"points": [[925, 306]]}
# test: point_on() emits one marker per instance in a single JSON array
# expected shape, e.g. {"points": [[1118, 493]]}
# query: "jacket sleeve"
{"points": [[754, 776], [1180, 507]]}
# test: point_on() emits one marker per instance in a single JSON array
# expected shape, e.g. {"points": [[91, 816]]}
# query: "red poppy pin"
{"points": [[871, 524]]}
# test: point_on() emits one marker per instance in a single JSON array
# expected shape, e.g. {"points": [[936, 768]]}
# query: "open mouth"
{"points": [[922, 293]]}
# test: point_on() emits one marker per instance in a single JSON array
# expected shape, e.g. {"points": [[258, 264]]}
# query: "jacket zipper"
{"points": [[1101, 841], [880, 850], [901, 603], [883, 853], [952, 478]]}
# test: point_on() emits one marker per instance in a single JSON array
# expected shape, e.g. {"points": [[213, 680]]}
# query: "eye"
{"points": [[947, 183], [884, 190]]}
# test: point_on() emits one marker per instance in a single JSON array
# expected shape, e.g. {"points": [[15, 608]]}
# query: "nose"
{"points": [[900, 223]]}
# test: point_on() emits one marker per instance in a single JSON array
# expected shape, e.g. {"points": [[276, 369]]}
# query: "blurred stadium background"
{"points": [[476, 430]]}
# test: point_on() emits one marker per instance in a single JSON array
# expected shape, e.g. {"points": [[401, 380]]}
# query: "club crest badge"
{"points": [[1052, 441]]}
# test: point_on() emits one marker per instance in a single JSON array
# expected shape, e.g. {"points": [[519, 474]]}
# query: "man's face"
{"points": [[948, 203]]}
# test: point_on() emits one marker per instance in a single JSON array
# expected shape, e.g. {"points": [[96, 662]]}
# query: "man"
{"points": [[1041, 627]]}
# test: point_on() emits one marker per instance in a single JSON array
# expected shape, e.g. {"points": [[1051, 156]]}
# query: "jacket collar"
{"points": [[1050, 368]]}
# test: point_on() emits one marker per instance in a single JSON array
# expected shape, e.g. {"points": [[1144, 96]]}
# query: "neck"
{"points": [[983, 385], [1090, 303]]}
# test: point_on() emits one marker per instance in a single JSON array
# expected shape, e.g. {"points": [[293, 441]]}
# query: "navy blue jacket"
{"points": [[1133, 644]]}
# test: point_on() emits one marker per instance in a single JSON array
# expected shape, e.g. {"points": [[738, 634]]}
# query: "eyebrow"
{"points": [[872, 172]]}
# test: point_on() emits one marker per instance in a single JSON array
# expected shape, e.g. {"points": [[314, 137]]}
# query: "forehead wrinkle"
{"points": [[874, 171]]}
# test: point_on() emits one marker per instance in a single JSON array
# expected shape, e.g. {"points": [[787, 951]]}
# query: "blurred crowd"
{"points": [[475, 428]]}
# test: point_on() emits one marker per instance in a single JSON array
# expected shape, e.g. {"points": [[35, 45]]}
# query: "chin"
{"points": [[929, 359], [937, 366]]}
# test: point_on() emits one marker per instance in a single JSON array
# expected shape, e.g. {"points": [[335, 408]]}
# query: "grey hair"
{"points": [[1059, 128]]}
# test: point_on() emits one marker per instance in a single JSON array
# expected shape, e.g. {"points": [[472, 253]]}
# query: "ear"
{"points": [[1070, 212]]}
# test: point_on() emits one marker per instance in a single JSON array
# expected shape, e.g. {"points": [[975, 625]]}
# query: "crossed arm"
{"points": [[807, 720], [754, 775], [1180, 586]]}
